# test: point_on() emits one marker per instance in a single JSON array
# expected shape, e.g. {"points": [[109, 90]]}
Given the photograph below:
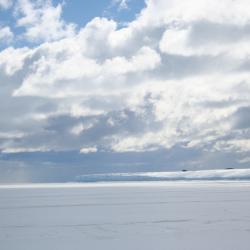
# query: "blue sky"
{"points": [[122, 86], [83, 12]]}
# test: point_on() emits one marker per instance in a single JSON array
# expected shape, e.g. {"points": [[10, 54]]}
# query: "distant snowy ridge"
{"points": [[225, 174]]}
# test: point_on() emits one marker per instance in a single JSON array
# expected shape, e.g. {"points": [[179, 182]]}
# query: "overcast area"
{"points": [[156, 86]]}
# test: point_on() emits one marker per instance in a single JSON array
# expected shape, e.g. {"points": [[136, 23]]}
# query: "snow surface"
{"points": [[191, 215], [224, 174]]}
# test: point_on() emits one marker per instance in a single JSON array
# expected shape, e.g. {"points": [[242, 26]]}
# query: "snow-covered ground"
{"points": [[190, 215]]}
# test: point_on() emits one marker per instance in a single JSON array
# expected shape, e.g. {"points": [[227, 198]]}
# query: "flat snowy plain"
{"points": [[183, 215]]}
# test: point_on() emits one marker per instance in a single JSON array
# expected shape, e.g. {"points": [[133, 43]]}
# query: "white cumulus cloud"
{"points": [[42, 21]]}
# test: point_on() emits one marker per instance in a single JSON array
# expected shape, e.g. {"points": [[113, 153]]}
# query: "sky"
{"points": [[122, 86]]}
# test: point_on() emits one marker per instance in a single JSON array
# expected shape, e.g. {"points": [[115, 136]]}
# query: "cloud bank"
{"points": [[208, 175]]}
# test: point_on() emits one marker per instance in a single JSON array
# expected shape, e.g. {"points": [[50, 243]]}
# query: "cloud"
{"points": [[123, 4], [5, 4], [42, 21], [12, 60], [6, 35], [22, 150], [63, 66], [88, 150], [178, 12], [241, 118], [172, 78], [235, 145], [206, 38]]}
